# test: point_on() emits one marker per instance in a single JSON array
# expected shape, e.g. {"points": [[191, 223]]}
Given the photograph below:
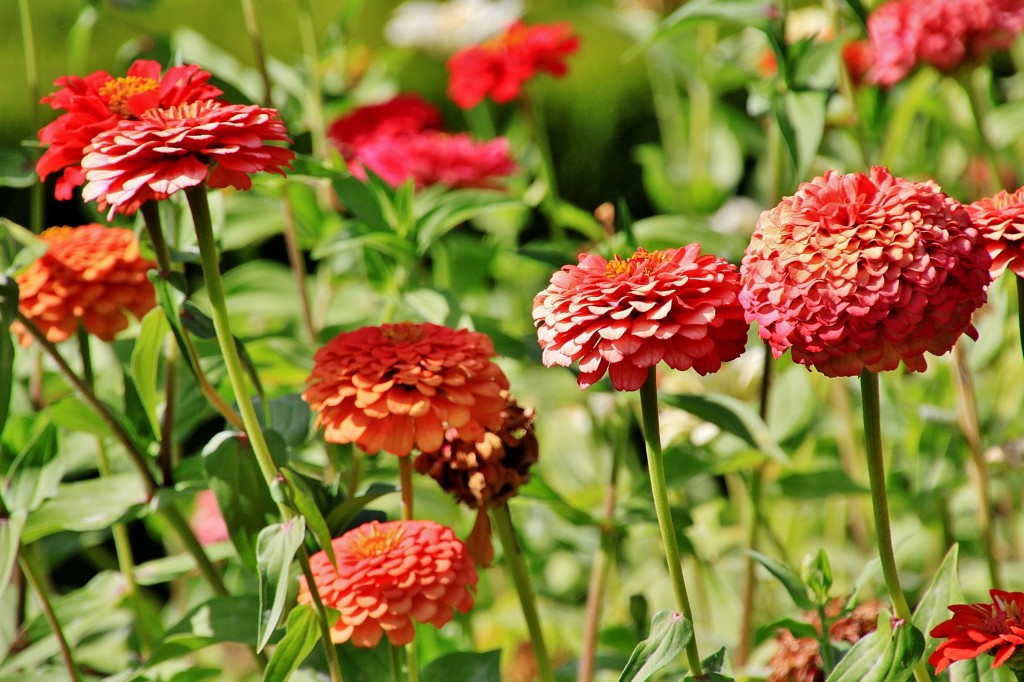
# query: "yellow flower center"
{"points": [[119, 90], [641, 261], [375, 540]]}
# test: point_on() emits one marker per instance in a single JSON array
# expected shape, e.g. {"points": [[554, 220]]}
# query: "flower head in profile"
{"points": [[444, 27], [625, 316], [996, 628], [434, 158], [167, 150], [90, 276], [400, 386], [1000, 223], [403, 114], [500, 67], [389, 576], [859, 272], [98, 101]]}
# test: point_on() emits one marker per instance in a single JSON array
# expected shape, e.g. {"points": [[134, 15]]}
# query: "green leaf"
{"points": [[805, 111], [341, 516], [8, 313], [301, 499], [94, 504], [364, 201], [789, 579], [275, 549], [797, 628], [712, 667], [302, 635], [74, 414], [167, 569], [146, 362], [10, 543], [366, 665], [756, 13], [670, 633], [888, 654], [36, 472], [732, 416], [221, 619], [465, 666], [538, 489], [944, 591], [817, 484], [456, 207], [816, 573], [289, 416]]}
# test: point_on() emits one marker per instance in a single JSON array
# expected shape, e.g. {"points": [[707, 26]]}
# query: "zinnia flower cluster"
{"points": [[99, 101], [499, 68], [399, 386], [90, 276], [996, 628], [389, 575], [1000, 222], [625, 316], [943, 33], [859, 272]]}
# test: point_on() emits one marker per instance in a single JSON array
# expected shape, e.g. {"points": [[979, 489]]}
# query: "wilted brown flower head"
{"points": [[797, 659]]}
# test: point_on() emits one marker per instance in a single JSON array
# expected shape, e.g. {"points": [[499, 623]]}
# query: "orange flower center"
{"points": [[119, 90], [641, 261], [402, 333], [375, 541]]}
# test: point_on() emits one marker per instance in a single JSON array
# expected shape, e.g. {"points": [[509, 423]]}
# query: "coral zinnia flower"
{"points": [[167, 150], [861, 272], [434, 158], [996, 628], [98, 101], [500, 67], [1000, 221], [390, 574], [625, 316], [89, 275], [403, 114], [398, 386]]}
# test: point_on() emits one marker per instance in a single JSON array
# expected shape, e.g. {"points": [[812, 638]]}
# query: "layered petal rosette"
{"points": [[434, 158], [403, 114], [1000, 223], [995, 628], [625, 316], [90, 276], [860, 271], [399, 386], [167, 150]]}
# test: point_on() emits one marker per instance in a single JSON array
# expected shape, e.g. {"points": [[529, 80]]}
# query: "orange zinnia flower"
{"points": [[389, 575], [1000, 221], [89, 275], [399, 386], [996, 628], [625, 316], [862, 271]]}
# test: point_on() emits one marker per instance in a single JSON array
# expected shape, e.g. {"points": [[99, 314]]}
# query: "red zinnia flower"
{"points": [[167, 150], [1000, 221], [98, 101], [499, 67], [861, 272], [398, 386], [997, 628], [625, 316], [403, 114], [434, 158], [390, 574], [89, 275]]}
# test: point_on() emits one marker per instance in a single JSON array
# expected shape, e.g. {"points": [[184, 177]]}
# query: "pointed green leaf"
{"points": [[275, 549], [302, 635], [798, 628], [366, 665], [93, 504], [10, 543], [146, 362], [465, 666], [670, 633], [732, 416], [809, 485], [805, 111], [712, 667], [944, 590], [341, 516], [789, 579], [888, 654], [221, 619], [36, 471], [456, 207], [301, 499], [363, 201]]}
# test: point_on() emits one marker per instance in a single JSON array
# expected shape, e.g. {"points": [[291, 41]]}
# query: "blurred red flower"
{"points": [[166, 150], [500, 67], [625, 316], [943, 33], [90, 275], [434, 158], [861, 272], [996, 628], [1000, 221], [400, 386], [389, 575], [403, 114], [98, 101]]}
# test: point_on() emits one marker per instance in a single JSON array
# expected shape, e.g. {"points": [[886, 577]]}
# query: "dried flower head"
{"points": [[798, 659], [399, 386], [167, 150], [389, 575], [996, 628], [1000, 222], [625, 316], [859, 272], [90, 276], [99, 101]]}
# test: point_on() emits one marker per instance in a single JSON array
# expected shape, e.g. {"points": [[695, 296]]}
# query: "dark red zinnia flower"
{"points": [[996, 628], [403, 114]]}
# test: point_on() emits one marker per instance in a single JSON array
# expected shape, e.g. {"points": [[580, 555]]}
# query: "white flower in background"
{"points": [[445, 27]]}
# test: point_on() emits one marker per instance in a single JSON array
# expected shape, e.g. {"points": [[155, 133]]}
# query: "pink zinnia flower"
{"points": [[859, 272], [99, 101], [996, 628], [1000, 221], [207, 521], [403, 114], [166, 150], [434, 158], [625, 316], [390, 575]]}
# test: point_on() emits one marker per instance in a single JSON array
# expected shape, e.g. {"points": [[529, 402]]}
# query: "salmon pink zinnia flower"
{"points": [[98, 101], [625, 316], [399, 386], [389, 575], [1000, 222], [859, 272], [166, 150], [435, 158], [996, 628], [90, 276]]}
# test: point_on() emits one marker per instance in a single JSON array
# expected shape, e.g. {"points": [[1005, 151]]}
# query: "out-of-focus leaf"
{"points": [[798, 628], [979, 669], [301, 499], [456, 207], [95, 504], [789, 579], [712, 667], [465, 666], [146, 362], [732, 416], [36, 472], [166, 569], [342, 515], [17, 169], [366, 665], [10, 543], [221, 619], [302, 635], [888, 654], [364, 201], [387, 243], [670, 633], [290, 417], [944, 590], [538, 489], [73, 414], [806, 114], [817, 484], [275, 549]]}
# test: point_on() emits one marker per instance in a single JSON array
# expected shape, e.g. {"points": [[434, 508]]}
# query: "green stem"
{"points": [[36, 205], [1020, 309], [154, 228], [659, 489], [330, 652], [533, 113], [969, 81], [825, 643], [28, 569], [405, 477], [516, 563], [252, 27], [396, 662]]}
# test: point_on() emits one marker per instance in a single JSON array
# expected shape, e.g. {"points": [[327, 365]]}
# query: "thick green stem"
{"points": [[28, 569], [825, 643], [330, 652], [516, 563]]}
